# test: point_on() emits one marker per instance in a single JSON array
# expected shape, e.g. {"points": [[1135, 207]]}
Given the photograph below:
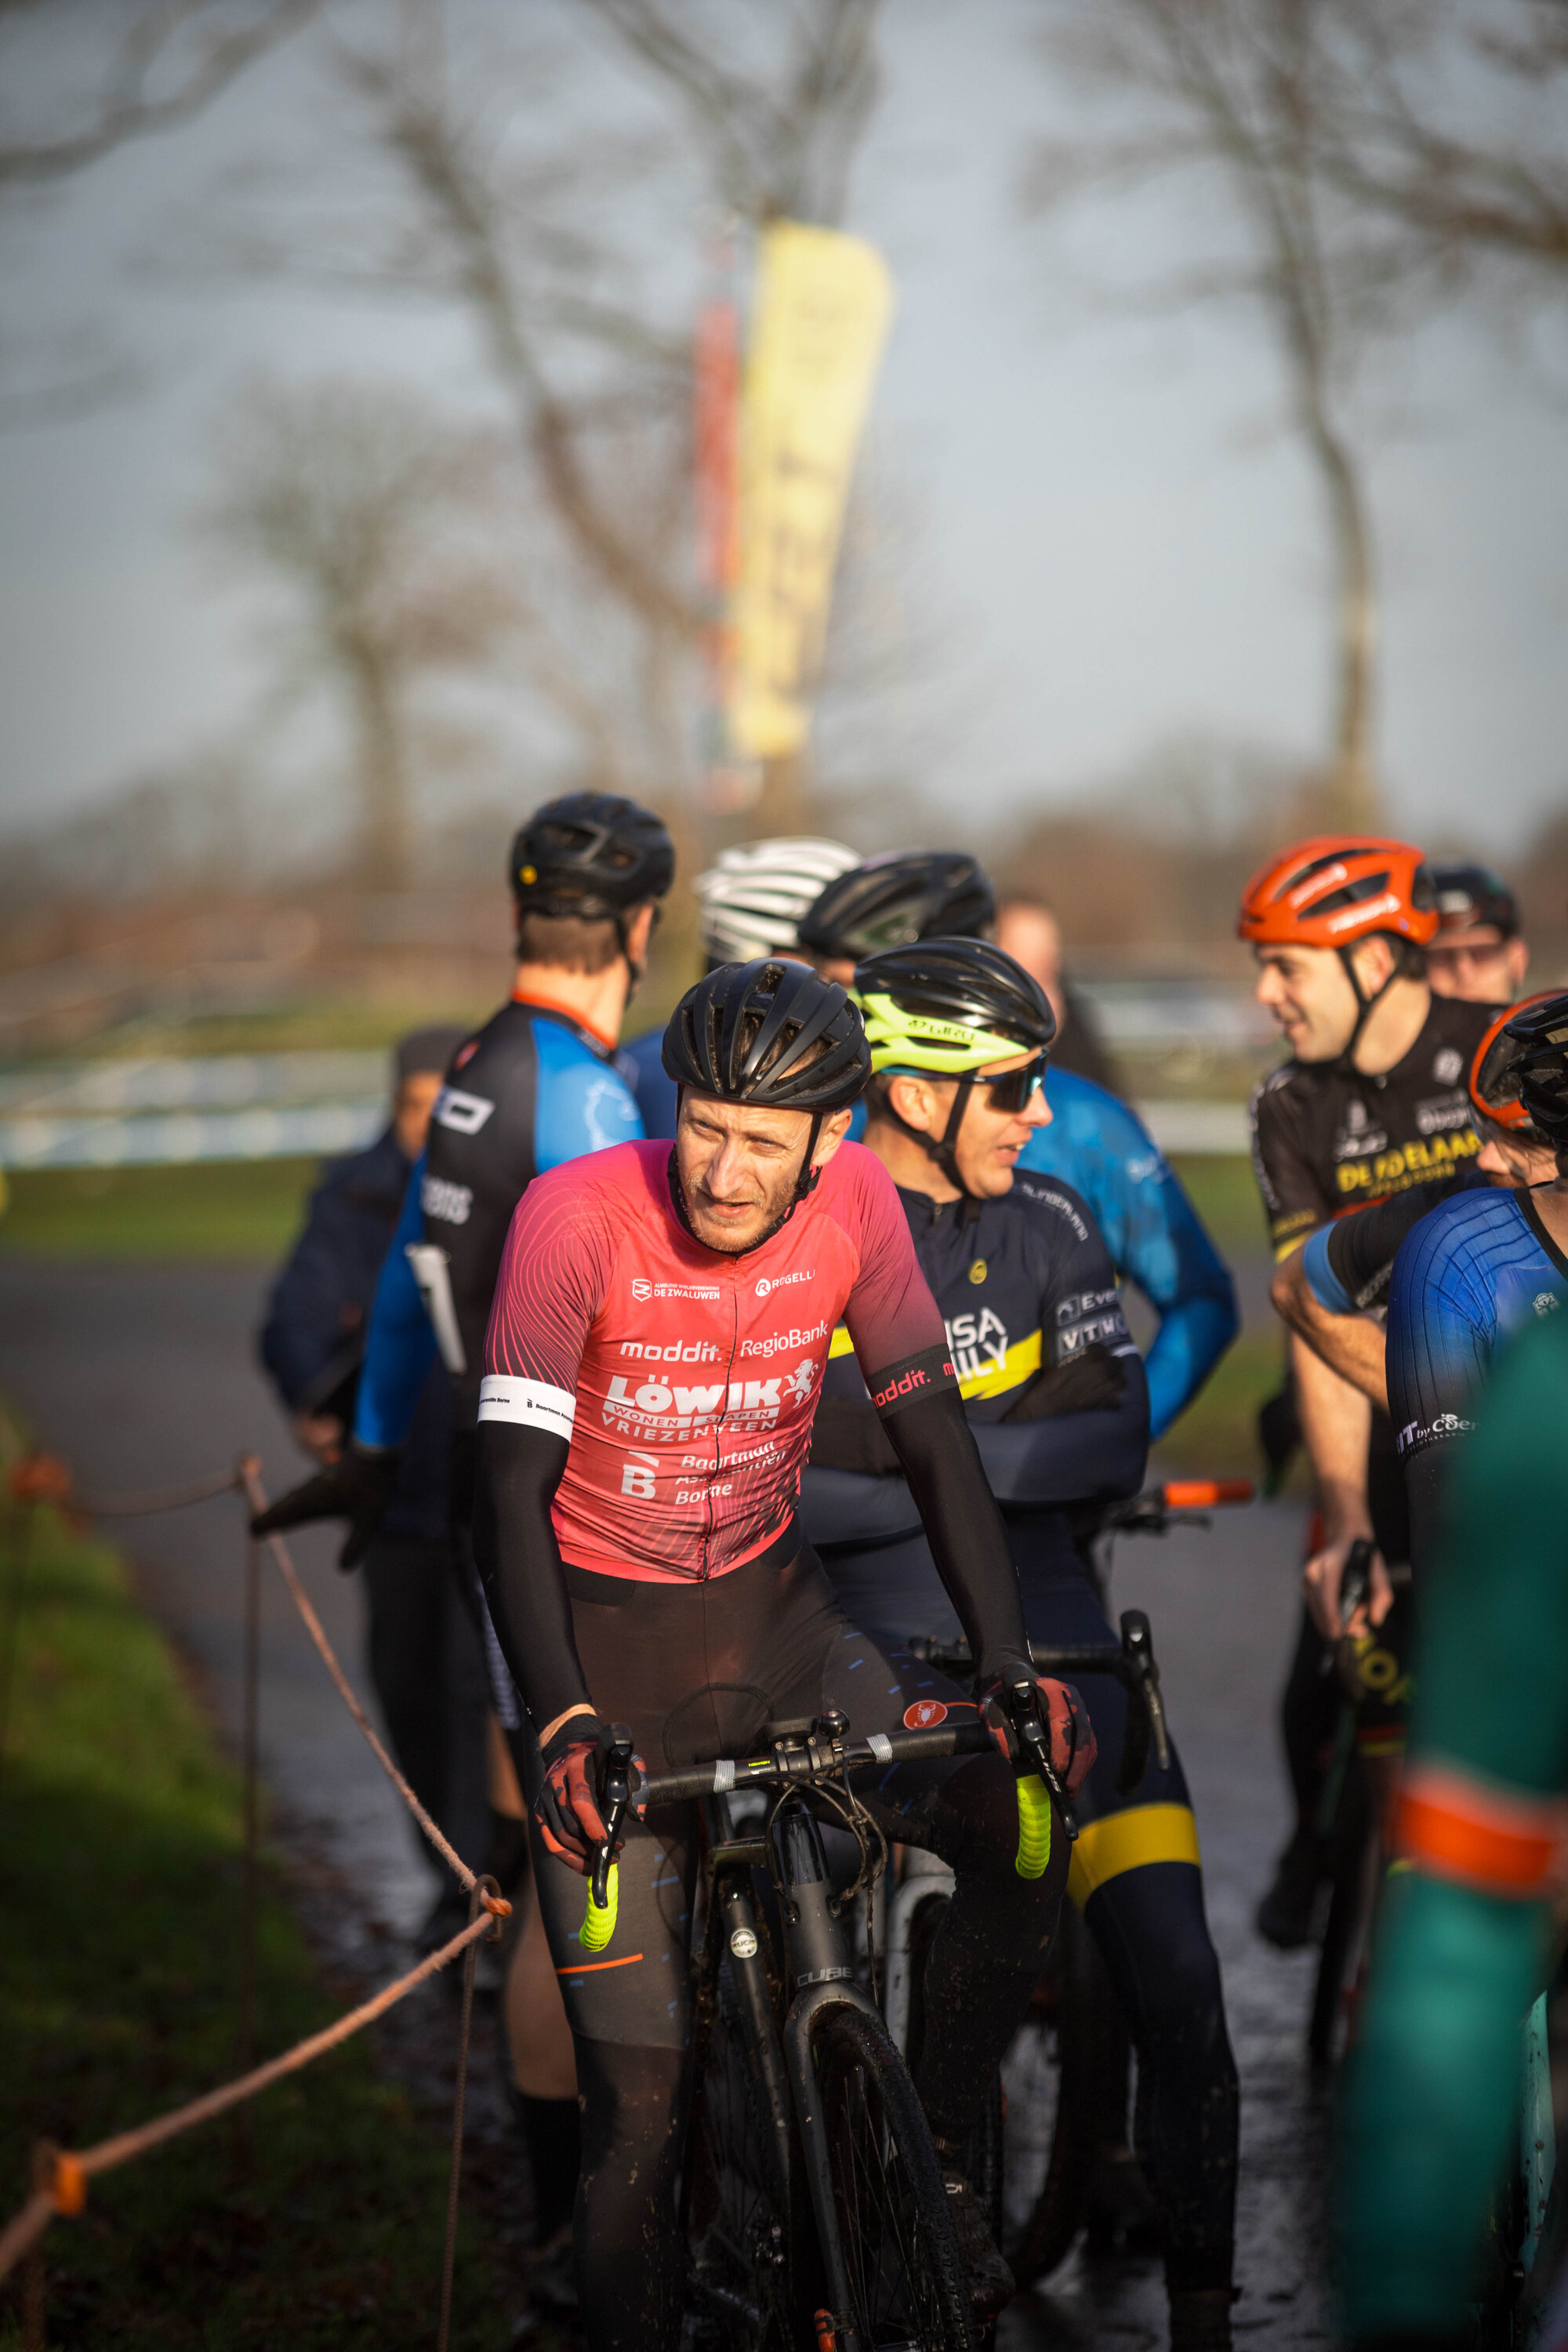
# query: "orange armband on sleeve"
{"points": [[1506, 1843]]}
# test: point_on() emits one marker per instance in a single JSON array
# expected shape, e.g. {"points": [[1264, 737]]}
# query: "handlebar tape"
{"points": [[1034, 1829], [599, 1925]]}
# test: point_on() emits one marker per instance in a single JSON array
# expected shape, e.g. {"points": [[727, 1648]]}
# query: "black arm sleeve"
{"points": [[1362, 1248], [1072, 1457], [1427, 1476], [519, 1561], [963, 1527]]}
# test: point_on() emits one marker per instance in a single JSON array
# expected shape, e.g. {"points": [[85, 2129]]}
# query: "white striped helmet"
{"points": [[755, 895]]}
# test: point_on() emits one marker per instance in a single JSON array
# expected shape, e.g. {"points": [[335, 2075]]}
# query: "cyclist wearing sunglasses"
{"points": [[1055, 1392]]}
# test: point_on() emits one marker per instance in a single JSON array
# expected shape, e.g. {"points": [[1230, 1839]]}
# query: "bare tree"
{"points": [[166, 60], [1232, 90], [781, 143], [542, 238], [359, 501], [1446, 120], [137, 69]]}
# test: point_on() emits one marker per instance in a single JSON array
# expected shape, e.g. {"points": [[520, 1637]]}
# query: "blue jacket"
{"points": [[313, 1341], [529, 1090], [640, 1064], [1153, 1233]]}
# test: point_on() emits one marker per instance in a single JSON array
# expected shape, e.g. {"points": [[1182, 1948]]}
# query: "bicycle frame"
{"points": [[817, 1971]]}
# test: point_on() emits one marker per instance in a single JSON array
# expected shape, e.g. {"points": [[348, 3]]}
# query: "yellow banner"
{"points": [[823, 306]]}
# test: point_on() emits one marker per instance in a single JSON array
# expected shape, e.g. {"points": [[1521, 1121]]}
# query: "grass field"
{"points": [[119, 1947], [228, 1209]]}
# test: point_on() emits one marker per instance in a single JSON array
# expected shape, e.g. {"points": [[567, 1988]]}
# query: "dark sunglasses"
{"points": [[1015, 1090]]}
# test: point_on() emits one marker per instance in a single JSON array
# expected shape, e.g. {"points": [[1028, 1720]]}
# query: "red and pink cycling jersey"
{"points": [[686, 1380]]}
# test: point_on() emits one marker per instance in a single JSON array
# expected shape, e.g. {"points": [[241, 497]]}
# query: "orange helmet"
{"points": [[1495, 1071], [1337, 889]]}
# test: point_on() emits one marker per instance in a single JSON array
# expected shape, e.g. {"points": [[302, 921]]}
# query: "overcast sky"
{"points": [[1127, 543]]}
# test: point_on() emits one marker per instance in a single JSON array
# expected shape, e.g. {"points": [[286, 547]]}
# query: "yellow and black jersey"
{"points": [[1326, 1139], [1052, 1382]]}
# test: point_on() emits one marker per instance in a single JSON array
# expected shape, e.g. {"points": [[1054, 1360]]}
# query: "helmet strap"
{"points": [[942, 1148], [1365, 1004], [807, 1182]]}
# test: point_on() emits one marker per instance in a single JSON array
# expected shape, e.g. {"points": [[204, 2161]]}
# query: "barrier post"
{"points": [[477, 1893], [245, 2051]]}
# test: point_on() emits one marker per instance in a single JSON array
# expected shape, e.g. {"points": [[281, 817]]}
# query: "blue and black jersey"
{"points": [[1480, 1267], [1154, 1234], [532, 1088]]}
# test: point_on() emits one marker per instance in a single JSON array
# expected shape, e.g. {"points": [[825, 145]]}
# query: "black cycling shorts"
{"points": [[894, 1590], [696, 1670]]}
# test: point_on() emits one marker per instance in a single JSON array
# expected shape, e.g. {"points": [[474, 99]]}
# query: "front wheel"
{"points": [[906, 2275]]}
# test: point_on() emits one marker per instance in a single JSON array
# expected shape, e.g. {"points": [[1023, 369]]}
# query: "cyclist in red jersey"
{"points": [[655, 1353]]}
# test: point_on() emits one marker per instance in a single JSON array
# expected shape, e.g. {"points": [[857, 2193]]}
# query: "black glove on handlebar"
{"points": [[567, 1806], [357, 1486], [1062, 1714]]}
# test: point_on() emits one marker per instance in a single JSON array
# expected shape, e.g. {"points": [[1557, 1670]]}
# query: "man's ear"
{"points": [[915, 1102], [1374, 960], [834, 1132]]}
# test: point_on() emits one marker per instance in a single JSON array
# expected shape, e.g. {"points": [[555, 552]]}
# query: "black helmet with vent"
{"points": [[895, 899], [593, 855], [770, 1033], [1539, 1066]]}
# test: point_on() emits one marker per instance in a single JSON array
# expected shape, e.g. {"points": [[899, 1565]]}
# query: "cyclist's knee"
{"points": [[629, 2096]]}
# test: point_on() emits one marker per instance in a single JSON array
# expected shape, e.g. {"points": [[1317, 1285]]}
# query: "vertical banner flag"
{"points": [[824, 303]]}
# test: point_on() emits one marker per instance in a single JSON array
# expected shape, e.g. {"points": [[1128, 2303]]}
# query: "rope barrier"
{"points": [[249, 1479], [43, 1478], [66, 2172], [60, 2176]]}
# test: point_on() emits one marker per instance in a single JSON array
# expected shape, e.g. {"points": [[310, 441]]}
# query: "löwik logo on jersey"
{"points": [[667, 1409]]}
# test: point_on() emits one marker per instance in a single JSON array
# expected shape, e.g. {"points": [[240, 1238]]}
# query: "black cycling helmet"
{"points": [[893, 900], [594, 856], [771, 1033], [1539, 1066], [1469, 898], [946, 1008]]}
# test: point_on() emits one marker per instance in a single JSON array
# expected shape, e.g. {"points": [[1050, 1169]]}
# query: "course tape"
{"points": [[256, 1497], [70, 2169]]}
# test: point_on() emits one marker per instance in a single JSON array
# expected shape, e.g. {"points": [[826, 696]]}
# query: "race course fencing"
{"points": [[60, 2176]]}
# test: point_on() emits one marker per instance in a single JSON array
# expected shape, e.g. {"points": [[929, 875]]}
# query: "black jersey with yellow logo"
{"points": [[1326, 1138]]}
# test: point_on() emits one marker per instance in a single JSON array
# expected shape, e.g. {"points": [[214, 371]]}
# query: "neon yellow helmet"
{"points": [[949, 1007]]}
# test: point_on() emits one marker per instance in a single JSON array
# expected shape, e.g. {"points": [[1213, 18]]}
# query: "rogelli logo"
{"points": [[765, 1288]]}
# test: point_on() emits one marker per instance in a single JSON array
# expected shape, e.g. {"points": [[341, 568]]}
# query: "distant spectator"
{"points": [[1028, 931], [425, 1661], [1478, 953]]}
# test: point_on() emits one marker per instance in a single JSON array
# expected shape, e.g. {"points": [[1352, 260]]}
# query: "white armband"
{"points": [[533, 1403]]}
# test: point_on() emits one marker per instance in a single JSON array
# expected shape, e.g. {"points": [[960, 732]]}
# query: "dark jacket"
{"points": [[313, 1339]]}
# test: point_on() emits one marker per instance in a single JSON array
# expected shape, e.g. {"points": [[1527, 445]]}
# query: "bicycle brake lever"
{"points": [[615, 1795], [1031, 1737]]}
